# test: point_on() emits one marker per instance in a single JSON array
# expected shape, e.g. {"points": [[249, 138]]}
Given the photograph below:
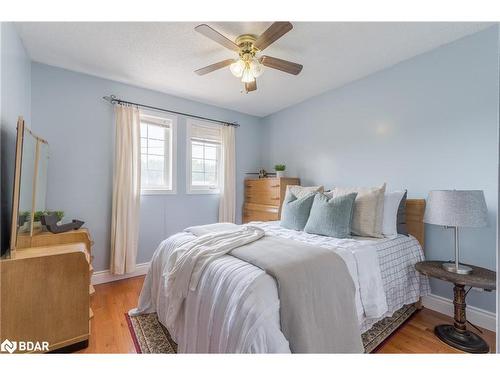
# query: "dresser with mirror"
{"points": [[45, 277]]}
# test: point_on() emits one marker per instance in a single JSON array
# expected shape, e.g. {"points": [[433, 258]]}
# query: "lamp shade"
{"points": [[456, 208]]}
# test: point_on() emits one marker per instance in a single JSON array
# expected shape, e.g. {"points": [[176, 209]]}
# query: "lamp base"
{"points": [[463, 340], [461, 270]]}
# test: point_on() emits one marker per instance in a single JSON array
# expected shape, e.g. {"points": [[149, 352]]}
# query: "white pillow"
{"points": [[391, 205]]}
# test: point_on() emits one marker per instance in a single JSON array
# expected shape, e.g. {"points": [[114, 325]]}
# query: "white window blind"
{"points": [[205, 132]]}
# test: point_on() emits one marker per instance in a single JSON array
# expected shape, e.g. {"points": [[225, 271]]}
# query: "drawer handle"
{"points": [[275, 199], [275, 186], [249, 196]]}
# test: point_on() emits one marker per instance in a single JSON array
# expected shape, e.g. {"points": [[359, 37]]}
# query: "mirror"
{"points": [[41, 177], [28, 156], [30, 185]]}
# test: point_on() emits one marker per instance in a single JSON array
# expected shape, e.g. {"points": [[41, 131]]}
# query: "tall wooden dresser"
{"points": [[264, 196], [46, 289]]}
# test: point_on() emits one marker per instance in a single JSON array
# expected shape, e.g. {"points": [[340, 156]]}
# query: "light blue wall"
{"points": [[15, 101], [427, 123], [69, 112]]}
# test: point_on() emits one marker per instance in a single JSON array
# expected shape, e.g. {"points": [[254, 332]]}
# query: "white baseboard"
{"points": [[479, 317], [101, 277]]}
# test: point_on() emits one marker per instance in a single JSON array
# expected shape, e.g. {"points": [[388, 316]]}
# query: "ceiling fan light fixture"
{"points": [[247, 66], [256, 67], [247, 75], [237, 68]]}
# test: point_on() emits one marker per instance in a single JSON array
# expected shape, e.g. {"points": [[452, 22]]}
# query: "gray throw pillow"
{"points": [[331, 216], [401, 218], [295, 211]]}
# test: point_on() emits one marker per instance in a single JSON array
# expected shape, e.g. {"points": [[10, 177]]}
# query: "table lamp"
{"points": [[456, 208]]}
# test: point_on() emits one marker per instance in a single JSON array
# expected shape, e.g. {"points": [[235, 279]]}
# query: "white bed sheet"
{"points": [[236, 306]]}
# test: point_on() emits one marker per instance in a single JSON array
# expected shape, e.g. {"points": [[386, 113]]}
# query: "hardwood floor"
{"points": [[109, 329], [110, 333], [417, 335]]}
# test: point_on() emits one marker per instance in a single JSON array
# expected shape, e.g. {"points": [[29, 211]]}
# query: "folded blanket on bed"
{"points": [[187, 262], [316, 292]]}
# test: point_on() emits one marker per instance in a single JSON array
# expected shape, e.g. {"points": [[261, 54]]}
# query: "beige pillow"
{"points": [[302, 191], [368, 214]]}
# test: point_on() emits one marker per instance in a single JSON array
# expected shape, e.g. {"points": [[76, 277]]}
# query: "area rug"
{"points": [[150, 336]]}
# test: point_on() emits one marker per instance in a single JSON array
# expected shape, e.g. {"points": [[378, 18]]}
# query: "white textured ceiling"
{"points": [[163, 56]]}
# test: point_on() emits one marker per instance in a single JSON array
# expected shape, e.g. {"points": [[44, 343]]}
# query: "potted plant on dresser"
{"points": [[280, 170]]}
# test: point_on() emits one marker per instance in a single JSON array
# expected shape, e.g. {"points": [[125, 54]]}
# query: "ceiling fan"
{"points": [[249, 66]]}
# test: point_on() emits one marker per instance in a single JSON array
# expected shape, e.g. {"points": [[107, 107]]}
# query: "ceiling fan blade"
{"points": [[216, 66], [251, 86], [216, 37], [283, 65], [272, 34]]}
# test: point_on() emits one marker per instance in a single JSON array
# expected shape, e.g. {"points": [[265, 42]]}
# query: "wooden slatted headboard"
{"points": [[415, 209]]}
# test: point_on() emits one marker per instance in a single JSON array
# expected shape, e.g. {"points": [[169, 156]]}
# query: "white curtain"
{"points": [[227, 203], [126, 190]]}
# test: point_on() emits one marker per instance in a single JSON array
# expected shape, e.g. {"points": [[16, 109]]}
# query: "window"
{"points": [[203, 156], [158, 165]]}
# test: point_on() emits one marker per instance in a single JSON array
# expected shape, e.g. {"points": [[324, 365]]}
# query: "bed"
{"points": [[236, 308]]}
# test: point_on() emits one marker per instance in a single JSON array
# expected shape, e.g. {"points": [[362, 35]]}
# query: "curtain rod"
{"points": [[114, 100]]}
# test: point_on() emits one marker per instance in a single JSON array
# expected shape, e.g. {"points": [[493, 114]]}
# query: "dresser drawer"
{"points": [[259, 212], [267, 197], [262, 184], [264, 191]]}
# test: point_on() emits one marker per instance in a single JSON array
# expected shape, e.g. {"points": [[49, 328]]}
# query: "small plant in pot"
{"points": [[280, 170]]}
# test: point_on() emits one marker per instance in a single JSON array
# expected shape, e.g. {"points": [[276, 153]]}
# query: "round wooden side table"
{"points": [[457, 335]]}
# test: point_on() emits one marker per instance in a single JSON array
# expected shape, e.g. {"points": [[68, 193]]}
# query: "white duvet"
{"points": [[235, 308]]}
